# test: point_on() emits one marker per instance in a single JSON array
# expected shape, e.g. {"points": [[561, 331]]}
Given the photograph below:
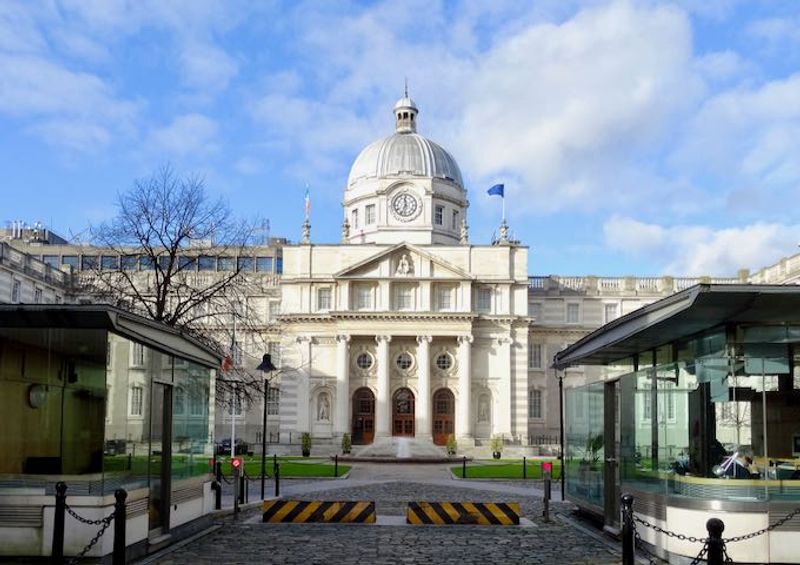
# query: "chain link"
{"points": [[769, 528], [639, 543], [700, 555], [104, 523], [661, 530]]}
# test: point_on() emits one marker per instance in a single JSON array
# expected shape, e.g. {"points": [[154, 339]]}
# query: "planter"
{"points": [[306, 452], [496, 455]]}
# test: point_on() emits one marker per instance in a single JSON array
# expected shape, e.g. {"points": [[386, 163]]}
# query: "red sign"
{"points": [[236, 463], [547, 466]]}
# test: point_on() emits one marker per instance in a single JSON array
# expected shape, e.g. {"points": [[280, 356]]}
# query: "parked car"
{"points": [[224, 446]]}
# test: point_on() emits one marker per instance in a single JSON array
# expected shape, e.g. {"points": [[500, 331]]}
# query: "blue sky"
{"points": [[633, 137]]}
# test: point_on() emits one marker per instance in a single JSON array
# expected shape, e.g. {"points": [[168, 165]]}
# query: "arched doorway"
{"points": [[403, 413], [444, 415], [363, 416]]}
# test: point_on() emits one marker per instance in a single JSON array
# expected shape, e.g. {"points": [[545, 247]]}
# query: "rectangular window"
{"points": [[109, 262], [147, 263], [573, 313], [137, 401], [323, 299], [363, 297], [484, 302], [455, 220], [647, 404], [137, 354], [610, 312], [369, 214], [444, 298], [274, 310], [236, 403], [279, 265], [187, 263], [535, 356], [129, 262], [198, 401], [88, 262], [70, 260], [535, 405], [438, 215], [404, 297], [179, 403], [535, 311], [206, 263], [225, 263], [15, 291], [245, 264], [37, 296], [164, 261], [273, 400], [51, 260], [263, 264], [354, 219]]}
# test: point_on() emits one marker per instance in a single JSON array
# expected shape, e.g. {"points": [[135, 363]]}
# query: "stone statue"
{"points": [[403, 266], [323, 407], [483, 410]]}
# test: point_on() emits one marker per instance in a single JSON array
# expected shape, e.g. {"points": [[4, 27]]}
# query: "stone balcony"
{"points": [[613, 286]]}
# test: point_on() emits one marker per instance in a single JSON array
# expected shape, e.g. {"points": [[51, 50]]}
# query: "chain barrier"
{"points": [[682, 537], [224, 479], [104, 524]]}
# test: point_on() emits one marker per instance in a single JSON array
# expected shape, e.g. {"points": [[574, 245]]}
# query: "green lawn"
{"points": [[511, 469], [183, 465]]}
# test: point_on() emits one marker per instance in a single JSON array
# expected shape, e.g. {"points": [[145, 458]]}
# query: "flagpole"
{"points": [[503, 198]]}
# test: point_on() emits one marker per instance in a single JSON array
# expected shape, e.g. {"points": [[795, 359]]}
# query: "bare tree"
{"points": [[172, 254]]}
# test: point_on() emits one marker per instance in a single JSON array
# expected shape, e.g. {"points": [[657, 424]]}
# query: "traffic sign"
{"points": [[236, 463], [547, 466]]}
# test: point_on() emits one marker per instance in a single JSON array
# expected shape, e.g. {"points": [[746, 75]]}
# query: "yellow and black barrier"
{"points": [[485, 513], [303, 511]]}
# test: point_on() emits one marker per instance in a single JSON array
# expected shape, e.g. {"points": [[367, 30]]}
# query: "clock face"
{"points": [[405, 204]]}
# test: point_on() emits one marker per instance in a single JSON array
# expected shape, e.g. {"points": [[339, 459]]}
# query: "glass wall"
{"points": [[100, 409], [583, 437], [722, 422]]}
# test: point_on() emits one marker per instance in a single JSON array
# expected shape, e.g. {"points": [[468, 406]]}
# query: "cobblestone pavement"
{"points": [[247, 541]]}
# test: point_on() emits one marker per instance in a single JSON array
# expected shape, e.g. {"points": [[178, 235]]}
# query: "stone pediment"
{"points": [[404, 261]]}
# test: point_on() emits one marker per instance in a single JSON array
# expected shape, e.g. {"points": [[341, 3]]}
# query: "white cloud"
{"points": [[776, 31], [185, 135], [206, 66], [749, 138], [702, 250]]}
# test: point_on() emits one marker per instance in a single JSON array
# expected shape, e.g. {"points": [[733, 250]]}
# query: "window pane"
{"points": [[225, 263], [129, 262], [206, 263], [71, 260], [264, 264], [51, 260], [109, 262], [88, 262], [279, 265], [245, 264]]}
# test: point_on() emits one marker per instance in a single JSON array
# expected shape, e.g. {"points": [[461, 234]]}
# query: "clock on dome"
{"points": [[405, 206]]}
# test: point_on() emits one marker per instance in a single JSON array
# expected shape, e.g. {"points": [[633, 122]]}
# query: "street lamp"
{"points": [[560, 378], [265, 366]]}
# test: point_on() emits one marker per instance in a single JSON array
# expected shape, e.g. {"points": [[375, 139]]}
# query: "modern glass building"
{"points": [[697, 415], [101, 399]]}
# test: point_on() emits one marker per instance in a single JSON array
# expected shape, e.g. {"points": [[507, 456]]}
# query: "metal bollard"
{"points": [[336, 465], [547, 494], [217, 488], [242, 488], [277, 479], [274, 462], [628, 553], [235, 491], [58, 524], [524, 467], [118, 557], [715, 527], [464, 467], [218, 471]]}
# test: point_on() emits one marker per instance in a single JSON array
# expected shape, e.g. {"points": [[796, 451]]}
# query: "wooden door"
{"points": [[403, 413], [444, 415], [363, 430]]}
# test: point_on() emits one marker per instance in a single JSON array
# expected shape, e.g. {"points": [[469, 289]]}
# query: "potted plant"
{"points": [[346, 444], [451, 444], [497, 447], [306, 444]]}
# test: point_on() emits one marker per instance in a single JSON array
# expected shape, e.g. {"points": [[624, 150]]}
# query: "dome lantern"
{"points": [[405, 114]]}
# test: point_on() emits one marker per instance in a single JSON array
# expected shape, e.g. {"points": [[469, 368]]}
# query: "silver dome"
{"points": [[405, 154]]}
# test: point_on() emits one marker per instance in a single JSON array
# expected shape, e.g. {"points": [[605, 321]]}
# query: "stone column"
{"points": [[423, 401], [342, 385], [383, 412], [503, 405], [464, 402]]}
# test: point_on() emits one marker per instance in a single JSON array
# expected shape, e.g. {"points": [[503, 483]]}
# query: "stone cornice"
{"points": [[379, 316]]}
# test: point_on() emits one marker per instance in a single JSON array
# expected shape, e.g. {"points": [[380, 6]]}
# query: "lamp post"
{"points": [[561, 427], [265, 366]]}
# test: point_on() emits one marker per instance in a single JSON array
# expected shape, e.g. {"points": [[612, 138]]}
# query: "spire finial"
{"points": [[405, 92]]}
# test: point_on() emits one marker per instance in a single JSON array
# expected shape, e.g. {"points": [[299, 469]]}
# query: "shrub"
{"points": [[346, 443], [497, 444], [306, 442], [452, 446]]}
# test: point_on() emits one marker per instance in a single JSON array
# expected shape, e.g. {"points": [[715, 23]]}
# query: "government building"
{"points": [[405, 327]]}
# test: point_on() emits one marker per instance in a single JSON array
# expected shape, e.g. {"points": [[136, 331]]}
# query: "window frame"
{"points": [[538, 403]]}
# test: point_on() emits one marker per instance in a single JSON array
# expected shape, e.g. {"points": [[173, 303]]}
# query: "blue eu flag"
{"points": [[497, 189]]}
